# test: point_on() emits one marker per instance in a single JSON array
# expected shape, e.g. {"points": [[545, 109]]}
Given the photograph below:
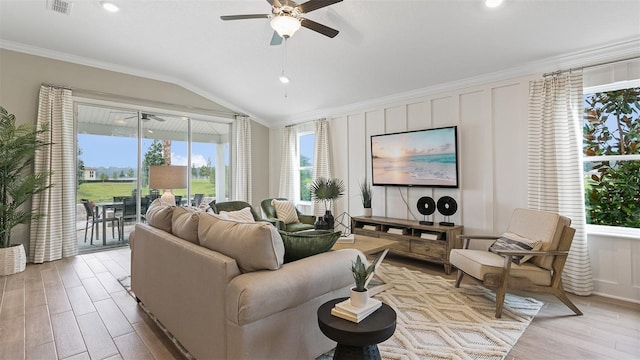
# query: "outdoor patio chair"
{"points": [[95, 218]]}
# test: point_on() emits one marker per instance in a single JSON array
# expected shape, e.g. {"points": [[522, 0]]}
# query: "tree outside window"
{"points": [[611, 149], [306, 143]]}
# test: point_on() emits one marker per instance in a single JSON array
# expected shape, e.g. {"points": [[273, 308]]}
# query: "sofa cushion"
{"points": [[254, 246], [184, 223], [243, 215], [299, 245], [159, 215], [514, 242], [285, 211]]}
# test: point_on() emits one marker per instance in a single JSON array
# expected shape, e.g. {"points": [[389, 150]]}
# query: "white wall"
{"points": [[491, 122], [492, 137]]}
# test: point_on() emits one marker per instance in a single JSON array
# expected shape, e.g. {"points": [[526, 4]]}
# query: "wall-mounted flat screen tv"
{"points": [[426, 157]]}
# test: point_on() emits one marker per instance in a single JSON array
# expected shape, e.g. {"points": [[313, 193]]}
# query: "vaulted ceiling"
{"points": [[384, 48]]}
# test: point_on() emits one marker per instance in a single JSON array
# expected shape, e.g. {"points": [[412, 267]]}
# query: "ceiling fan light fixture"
{"points": [[492, 3], [285, 25], [109, 6]]}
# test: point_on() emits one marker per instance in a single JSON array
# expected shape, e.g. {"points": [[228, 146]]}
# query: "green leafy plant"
{"points": [[365, 193], [326, 190], [361, 273], [612, 127], [18, 145]]}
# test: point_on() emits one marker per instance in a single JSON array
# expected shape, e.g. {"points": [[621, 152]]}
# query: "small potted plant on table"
{"points": [[326, 191], [361, 273], [365, 193]]}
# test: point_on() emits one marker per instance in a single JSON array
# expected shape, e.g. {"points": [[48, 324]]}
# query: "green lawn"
{"points": [[105, 191]]}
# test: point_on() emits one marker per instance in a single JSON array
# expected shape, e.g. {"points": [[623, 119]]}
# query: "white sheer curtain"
{"points": [[289, 177], [53, 236], [243, 163], [555, 167], [321, 159]]}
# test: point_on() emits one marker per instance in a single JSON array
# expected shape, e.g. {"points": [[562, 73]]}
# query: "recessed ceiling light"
{"points": [[284, 79], [109, 6], [492, 3]]}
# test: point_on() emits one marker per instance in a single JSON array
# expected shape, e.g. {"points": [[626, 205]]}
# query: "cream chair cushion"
{"points": [[285, 211], [254, 246], [479, 263], [538, 225]]}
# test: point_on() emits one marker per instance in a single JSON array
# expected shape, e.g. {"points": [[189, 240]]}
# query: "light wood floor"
{"points": [[76, 309]]}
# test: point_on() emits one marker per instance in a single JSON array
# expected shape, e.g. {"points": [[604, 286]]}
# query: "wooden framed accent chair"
{"points": [[286, 215], [529, 256]]}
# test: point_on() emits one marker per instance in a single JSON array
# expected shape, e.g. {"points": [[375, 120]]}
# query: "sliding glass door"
{"points": [[116, 146]]}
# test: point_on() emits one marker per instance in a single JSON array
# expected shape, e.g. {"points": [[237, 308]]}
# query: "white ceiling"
{"points": [[384, 48]]}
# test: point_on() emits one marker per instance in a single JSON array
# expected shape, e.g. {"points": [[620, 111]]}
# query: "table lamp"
{"points": [[167, 177]]}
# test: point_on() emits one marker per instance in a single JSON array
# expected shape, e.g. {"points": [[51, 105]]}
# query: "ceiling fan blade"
{"points": [[311, 5], [317, 27], [157, 118], [276, 39], [248, 16]]}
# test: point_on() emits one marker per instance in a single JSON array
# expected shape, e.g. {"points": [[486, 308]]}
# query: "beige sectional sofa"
{"points": [[222, 290]]}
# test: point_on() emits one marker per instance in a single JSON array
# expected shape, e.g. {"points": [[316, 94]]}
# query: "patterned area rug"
{"points": [[437, 321]]}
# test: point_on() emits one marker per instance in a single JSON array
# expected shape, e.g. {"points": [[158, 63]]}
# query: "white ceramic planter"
{"points": [[359, 298], [12, 260], [367, 212]]}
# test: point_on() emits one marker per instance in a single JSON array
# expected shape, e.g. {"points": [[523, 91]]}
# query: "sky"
{"points": [[121, 152], [426, 142]]}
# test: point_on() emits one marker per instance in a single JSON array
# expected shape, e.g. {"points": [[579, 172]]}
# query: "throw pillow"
{"points": [[184, 223], [298, 245], [254, 246], [285, 211], [239, 215], [511, 241], [159, 215]]}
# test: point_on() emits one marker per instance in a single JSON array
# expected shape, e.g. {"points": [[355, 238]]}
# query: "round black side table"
{"points": [[357, 340]]}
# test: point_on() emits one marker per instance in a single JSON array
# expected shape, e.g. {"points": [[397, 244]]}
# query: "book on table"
{"points": [[346, 311]]}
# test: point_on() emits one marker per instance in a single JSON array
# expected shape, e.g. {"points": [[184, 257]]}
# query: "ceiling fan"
{"points": [[286, 18], [144, 117]]}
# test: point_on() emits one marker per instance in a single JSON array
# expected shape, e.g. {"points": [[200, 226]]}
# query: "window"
{"points": [[611, 149], [305, 164]]}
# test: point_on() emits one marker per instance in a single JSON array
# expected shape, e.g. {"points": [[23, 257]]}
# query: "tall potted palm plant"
{"points": [[18, 145], [326, 191]]}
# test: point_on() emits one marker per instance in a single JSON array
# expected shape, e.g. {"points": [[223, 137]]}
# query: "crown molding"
{"points": [[79, 60], [582, 59]]}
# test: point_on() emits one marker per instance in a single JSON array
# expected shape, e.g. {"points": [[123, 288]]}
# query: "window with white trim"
{"points": [[306, 143], [611, 154]]}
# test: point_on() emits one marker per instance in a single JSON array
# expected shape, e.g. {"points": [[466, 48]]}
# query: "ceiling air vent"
{"points": [[59, 6]]}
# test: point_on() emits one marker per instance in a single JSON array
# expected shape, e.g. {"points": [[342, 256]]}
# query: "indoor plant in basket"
{"points": [[326, 191], [365, 193], [361, 273], [18, 145]]}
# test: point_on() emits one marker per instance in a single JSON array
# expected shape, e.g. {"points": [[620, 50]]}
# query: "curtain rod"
{"points": [[139, 101], [590, 66], [304, 122]]}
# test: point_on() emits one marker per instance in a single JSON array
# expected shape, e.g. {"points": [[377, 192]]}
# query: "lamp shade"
{"points": [[285, 25], [167, 177]]}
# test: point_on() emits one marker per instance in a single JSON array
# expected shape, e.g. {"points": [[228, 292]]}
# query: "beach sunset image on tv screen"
{"points": [[416, 158]]}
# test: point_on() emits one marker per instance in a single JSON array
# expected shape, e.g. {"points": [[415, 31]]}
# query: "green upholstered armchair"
{"points": [[235, 206], [306, 221]]}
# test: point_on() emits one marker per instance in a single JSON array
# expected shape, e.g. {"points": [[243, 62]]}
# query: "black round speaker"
{"points": [[426, 205], [447, 206]]}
